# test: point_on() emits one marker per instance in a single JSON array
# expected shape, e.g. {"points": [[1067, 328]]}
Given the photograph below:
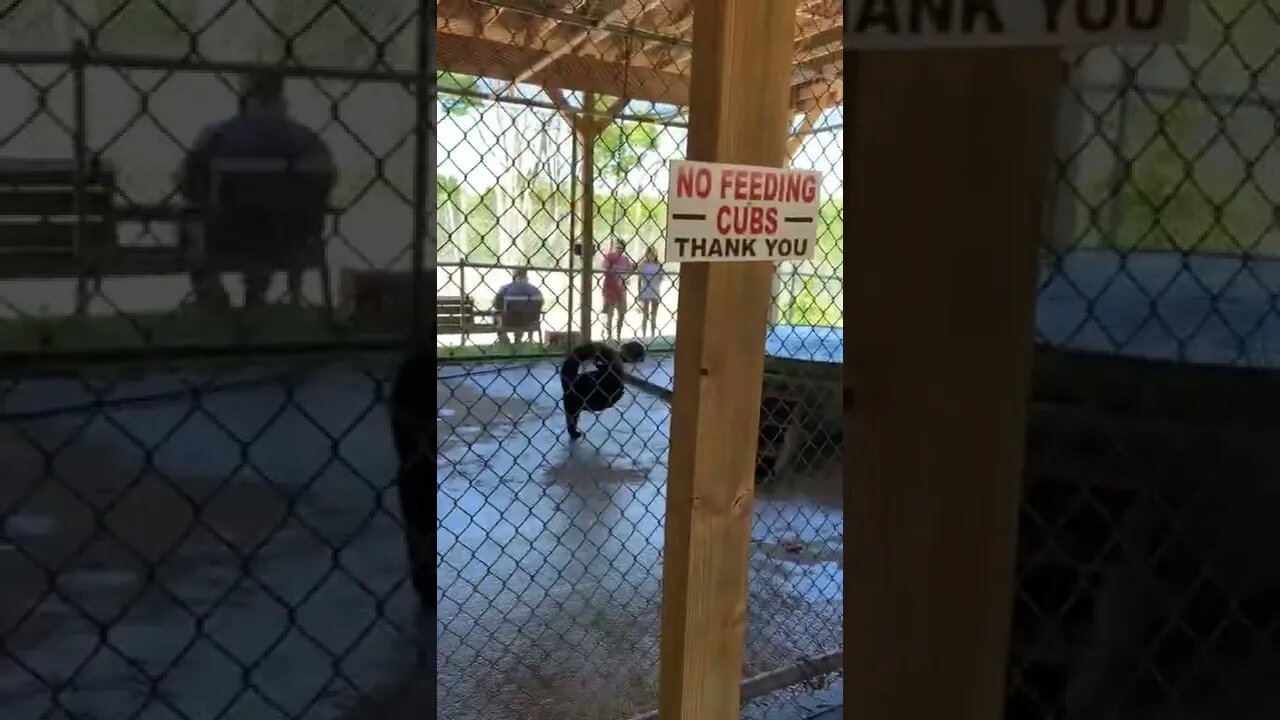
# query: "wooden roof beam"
{"points": [[501, 61], [823, 94], [592, 35]]}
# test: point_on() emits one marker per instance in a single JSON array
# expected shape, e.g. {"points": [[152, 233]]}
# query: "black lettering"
{"points": [[1091, 21], [784, 247], [802, 247], [939, 13], [749, 247], [986, 10], [1153, 18], [699, 247], [1053, 15], [716, 249], [682, 243], [770, 244], [878, 13]]}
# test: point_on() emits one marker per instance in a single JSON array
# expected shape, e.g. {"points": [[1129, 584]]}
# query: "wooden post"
{"points": [[738, 114], [586, 129], [587, 126], [950, 154]]}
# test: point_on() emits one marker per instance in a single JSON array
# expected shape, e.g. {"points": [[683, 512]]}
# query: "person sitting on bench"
{"points": [[243, 213], [519, 307]]}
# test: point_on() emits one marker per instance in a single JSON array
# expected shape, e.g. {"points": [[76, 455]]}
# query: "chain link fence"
{"points": [[197, 514], [550, 549], [1146, 573]]}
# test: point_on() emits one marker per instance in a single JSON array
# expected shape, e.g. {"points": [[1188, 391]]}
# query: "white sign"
{"points": [[741, 212], [921, 24]]}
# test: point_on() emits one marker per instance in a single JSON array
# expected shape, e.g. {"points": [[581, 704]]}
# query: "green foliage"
{"points": [[468, 224], [622, 147], [1175, 196], [813, 303], [450, 103], [813, 291], [1200, 164]]}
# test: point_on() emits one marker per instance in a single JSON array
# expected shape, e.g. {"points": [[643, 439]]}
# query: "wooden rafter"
{"points": [[636, 48], [586, 36], [500, 61]]}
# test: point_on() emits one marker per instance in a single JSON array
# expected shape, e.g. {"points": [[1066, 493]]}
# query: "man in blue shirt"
{"points": [[518, 305], [243, 213]]}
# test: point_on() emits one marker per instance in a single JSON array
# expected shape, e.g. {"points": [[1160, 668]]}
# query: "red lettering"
{"points": [[746, 220], [684, 182], [793, 189], [771, 183], [749, 185], [691, 182], [723, 226], [809, 188], [702, 183]]}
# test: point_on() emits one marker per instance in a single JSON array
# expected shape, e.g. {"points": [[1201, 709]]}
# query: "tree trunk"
{"points": [[510, 195]]}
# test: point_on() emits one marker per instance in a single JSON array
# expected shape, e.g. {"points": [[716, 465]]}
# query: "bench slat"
{"points": [[52, 202], [24, 172], [50, 236]]}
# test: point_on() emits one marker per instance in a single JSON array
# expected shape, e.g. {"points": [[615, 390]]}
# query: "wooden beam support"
{"points": [[586, 36], [739, 114], [586, 131], [950, 155], [822, 93], [501, 61]]}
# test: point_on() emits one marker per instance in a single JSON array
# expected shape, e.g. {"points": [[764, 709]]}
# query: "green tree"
{"points": [[622, 147], [452, 104]]}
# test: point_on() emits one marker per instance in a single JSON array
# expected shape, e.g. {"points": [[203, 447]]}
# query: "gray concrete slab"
{"points": [[556, 550], [262, 499]]}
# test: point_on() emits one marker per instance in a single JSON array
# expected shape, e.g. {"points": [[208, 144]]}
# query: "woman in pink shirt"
{"points": [[616, 266]]}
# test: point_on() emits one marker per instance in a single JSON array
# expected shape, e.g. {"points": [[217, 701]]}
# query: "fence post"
{"points": [[86, 250], [950, 154], [739, 113], [585, 130], [424, 191], [794, 142]]}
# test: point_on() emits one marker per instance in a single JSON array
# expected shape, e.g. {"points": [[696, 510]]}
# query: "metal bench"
{"points": [[40, 217], [55, 223]]}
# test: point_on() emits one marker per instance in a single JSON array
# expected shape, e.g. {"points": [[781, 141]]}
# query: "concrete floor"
{"points": [[550, 587], [270, 521]]}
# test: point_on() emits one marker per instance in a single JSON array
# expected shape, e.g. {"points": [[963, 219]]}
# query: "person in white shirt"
{"points": [[650, 275]]}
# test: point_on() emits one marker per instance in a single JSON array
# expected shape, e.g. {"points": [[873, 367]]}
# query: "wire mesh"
{"points": [[197, 517], [1144, 588], [550, 549]]}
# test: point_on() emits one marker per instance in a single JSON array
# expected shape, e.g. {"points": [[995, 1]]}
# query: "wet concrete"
{"points": [[242, 557], [177, 560], [550, 583]]}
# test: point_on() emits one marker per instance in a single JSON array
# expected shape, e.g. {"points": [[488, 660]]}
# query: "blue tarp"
{"points": [[1199, 309]]}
